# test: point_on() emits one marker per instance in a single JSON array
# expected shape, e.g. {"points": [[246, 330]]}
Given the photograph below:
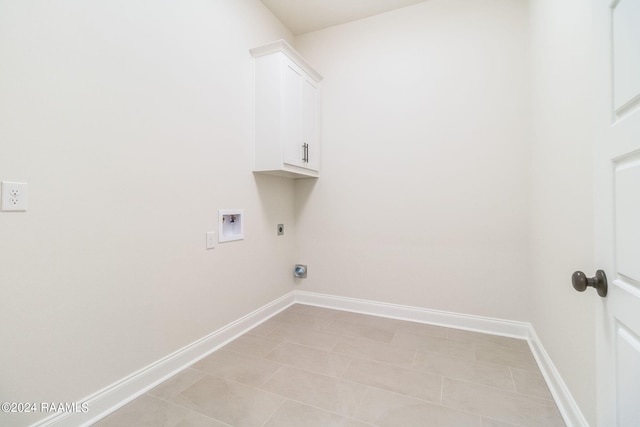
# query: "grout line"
{"points": [[357, 408], [210, 418], [320, 408], [483, 418], [347, 369], [179, 405], [393, 365], [413, 361], [274, 412], [426, 402], [513, 380], [321, 326], [514, 394], [271, 351], [201, 374], [269, 377], [522, 393], [286, 341]]}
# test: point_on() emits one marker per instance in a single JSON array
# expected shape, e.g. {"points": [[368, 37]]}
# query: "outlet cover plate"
{"points": [[14, 196], [211, 239]]}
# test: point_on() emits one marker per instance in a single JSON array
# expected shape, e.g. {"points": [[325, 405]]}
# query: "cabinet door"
{"points": [[309, 126], [293, 151]]}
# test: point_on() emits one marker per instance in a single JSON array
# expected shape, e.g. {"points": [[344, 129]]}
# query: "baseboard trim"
{"points": [[567, 405], [122, 392], [416, 314]]}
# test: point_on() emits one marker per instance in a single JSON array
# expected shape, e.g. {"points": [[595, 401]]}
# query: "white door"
{"points": [[617, 208]]}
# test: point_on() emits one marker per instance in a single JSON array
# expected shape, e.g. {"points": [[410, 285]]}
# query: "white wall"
{"points": [[131, 122], [423, 198], [562, 185]]}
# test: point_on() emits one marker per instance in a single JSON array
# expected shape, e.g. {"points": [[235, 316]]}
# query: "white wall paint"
{"points": [[423, 194], [562, 201], [131, 122], [150, 106]]}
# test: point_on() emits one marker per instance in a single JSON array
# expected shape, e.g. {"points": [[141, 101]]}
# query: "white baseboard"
{"points": [[417, 314], [118, 394], [122, 392], [567, 405]]}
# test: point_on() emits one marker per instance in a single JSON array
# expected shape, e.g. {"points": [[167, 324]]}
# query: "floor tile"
{"points": [[313, 366], [393, 378], [464, 369], [310, 359], [194, 419], [244, 369], [385, 323], [424, 329], [331, 394], [500, 405], [176, 384], [265, 328], [530, 383], [488, 339], [375, 350], [149, 411], [314, 310], [357, 330], [386, 409], [252, 345], [378, 403], [410, 340], [488, 422], [295, 414], [506, 357], [303, 319], [229, 402], [305, 336]]}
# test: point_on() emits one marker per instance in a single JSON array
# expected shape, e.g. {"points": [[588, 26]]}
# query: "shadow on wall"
{"points": [[273, 193], [303, 190]]}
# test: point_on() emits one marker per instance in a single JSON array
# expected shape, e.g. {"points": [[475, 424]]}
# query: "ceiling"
{"points": [[302, 16]]}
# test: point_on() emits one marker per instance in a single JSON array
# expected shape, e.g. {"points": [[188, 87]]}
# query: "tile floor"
{"points": [[311, 366]]}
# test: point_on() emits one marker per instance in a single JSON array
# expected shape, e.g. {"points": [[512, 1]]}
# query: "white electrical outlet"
{"points": [[14, 196]]}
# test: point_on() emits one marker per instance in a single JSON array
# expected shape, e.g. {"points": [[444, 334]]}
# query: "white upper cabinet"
{"points": [[286, 112]]}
